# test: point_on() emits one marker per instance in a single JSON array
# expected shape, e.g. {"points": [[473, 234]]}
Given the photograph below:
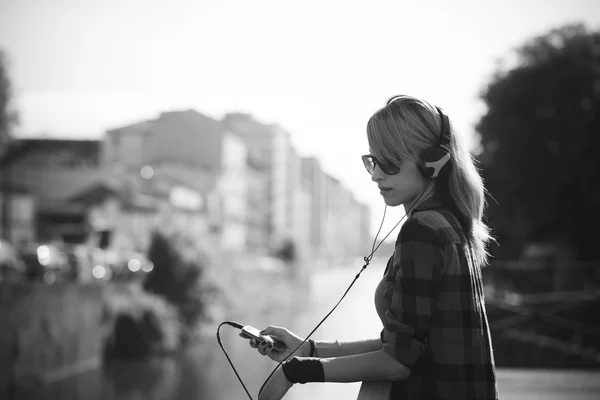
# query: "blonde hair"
{"points": [[407, 126]]}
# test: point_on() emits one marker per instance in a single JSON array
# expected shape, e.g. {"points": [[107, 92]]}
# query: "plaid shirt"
{"points": [[432, 307]]}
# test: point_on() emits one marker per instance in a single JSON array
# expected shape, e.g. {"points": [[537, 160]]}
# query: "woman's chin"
{"points": [[391, 202]]}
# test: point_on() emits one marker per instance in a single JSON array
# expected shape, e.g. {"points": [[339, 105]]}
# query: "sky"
{"points": [[317, 68]]}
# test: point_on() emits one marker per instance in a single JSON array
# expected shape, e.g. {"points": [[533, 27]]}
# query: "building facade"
{"points": [[68, 194], [202, 150], [48, 170], [244, 180], [284, 213], [303, 204]]}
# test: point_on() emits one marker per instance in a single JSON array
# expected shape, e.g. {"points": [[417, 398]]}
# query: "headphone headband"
{"points": [[393, 99], [445, 128]]}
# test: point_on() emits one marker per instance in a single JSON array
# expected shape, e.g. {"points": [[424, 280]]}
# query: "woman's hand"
{"points": [[276, 387], [290, 340]]}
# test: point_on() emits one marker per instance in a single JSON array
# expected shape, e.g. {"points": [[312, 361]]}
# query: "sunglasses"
{"points": [[371, 162]]}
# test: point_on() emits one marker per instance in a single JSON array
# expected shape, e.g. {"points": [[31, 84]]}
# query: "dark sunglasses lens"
{"points": [[369, 163], [388, 168]]}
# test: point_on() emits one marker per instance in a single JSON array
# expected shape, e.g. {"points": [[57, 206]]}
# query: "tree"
{"points": [[8, 117], [540, 139], [177, 276]]}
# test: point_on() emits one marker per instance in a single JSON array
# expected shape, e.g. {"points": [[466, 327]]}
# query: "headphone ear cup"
{"points": [[435, 161]]}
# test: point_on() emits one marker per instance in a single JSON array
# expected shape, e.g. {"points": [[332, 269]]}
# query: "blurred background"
{"points": [[165, 166]]}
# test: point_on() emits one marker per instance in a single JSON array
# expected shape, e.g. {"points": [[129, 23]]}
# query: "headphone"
{"points": [[434, 161]]}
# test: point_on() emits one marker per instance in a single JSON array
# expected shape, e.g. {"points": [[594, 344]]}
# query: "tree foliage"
{"points": [[177, 277], [540, 139], [8, 117]]}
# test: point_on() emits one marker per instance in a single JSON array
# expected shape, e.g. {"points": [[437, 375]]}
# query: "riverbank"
{"points": [[257, 297]]}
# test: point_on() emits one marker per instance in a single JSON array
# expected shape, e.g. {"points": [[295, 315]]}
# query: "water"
{"points": [[202, 371]]}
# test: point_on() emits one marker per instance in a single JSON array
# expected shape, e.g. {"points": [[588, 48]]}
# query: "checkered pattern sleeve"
{"points": [[418, 264]]}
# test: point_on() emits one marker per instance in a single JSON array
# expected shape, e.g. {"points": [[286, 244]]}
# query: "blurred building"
{"points": [[239, 180], [123, 211], [285, 212], [201, 149], [17, 214], [67, 195], [47, 171], [314, 178], [303, 204], [258, 216], [334, 236], [340, 224]]}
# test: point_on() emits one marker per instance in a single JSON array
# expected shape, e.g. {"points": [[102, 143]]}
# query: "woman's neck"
{"points": [[426, 193]]}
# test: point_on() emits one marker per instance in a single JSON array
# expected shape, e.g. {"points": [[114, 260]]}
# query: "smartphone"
{"points": [[250, 332]]}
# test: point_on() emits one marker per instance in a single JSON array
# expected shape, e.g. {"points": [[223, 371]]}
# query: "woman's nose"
{"points": [[377, 174]]}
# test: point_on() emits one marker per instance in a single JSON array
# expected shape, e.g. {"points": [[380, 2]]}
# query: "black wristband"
{"points": [[313, 347], [303, 370]]}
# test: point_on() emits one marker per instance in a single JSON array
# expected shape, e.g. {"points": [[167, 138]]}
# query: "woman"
{"points": [[435, 342]]}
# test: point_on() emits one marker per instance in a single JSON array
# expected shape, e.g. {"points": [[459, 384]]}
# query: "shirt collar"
{"points": [[429, 203]]}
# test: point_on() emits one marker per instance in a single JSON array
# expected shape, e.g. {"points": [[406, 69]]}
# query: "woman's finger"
{"points": [[262, 348], [270, 351], [271, 330]]}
